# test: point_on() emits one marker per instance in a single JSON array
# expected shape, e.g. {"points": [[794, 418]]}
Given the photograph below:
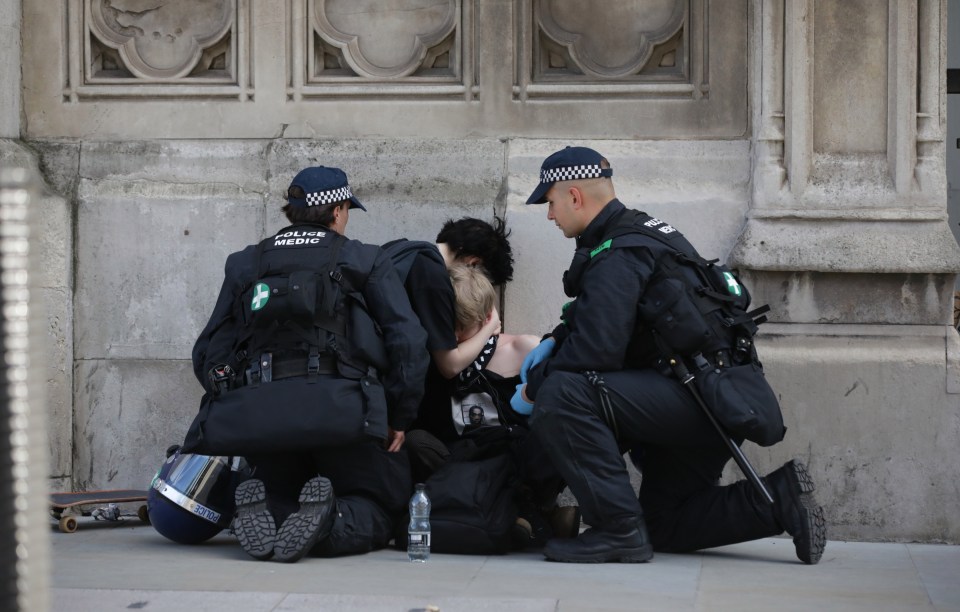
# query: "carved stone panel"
{"points": [[392, 68], [609, 41], [645, 47], [376, 47], [177, 47]]}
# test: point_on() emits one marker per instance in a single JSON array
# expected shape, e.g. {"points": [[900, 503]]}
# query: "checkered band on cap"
{"points": [[319, 198], [571, 173]]}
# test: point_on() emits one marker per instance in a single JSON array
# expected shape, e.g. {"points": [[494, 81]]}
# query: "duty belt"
{"points": [[268, 369]]}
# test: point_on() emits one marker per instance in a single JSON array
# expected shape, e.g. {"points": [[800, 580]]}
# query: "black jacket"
{"points": [[367, 270], [601, 330]]}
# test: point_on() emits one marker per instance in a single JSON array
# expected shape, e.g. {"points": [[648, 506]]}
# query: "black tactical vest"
{"points": [[691, 306], [301, 315]]}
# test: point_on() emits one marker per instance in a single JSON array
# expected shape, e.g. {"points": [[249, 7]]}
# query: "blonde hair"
{"points": [[474, 293]]}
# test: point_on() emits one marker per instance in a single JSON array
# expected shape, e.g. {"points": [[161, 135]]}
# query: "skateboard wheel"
{"points": [[143, 515], [68, 524]]}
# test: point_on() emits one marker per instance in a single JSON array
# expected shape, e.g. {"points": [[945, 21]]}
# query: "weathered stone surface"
{"points": [[59, 166], [816, 297], [847, 245], [230, 164], [56, 308], [53, 239], [127, 413], [150, 259], [10, 49], [886, 466], [409, 187], [278, 72]]}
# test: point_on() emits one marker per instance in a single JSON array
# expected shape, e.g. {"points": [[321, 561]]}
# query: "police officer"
{"points": [[681, 456], [349, 493]]}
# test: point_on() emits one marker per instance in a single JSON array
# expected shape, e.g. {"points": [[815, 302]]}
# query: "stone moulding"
{"points": [[386, 43], [164, 41], [135, 49], [645, 49], [420, 49], [637, 26]]}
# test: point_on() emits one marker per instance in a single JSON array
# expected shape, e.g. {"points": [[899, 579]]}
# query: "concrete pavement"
{"points": [[105, 566]]}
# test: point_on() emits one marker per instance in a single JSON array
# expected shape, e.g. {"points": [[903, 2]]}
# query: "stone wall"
{"points": [[802, 141]]}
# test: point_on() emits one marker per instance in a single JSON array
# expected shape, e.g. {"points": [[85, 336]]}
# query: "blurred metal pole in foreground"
{"points": [[24, 522]]}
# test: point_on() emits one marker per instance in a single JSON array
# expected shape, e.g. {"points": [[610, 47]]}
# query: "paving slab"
{"points": [[129, 566]]}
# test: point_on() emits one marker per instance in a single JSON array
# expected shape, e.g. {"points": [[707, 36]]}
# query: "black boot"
{"points": [[629, 545], [797, 512], [253, 524], [304, 528]]}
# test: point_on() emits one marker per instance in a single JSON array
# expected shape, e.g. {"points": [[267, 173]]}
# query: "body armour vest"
{"points": [[691, 306], [301, 306]]}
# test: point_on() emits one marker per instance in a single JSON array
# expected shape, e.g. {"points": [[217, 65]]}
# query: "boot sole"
{"points": [[631, 555], [254, 525], [816, 522], [303, 529]]}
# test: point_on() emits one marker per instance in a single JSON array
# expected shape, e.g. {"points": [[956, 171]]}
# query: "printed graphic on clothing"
{"points": [[473, 411]]}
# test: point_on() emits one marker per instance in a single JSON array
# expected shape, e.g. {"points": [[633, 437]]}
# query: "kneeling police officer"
{"points": [[599, 389], [313, 363]]}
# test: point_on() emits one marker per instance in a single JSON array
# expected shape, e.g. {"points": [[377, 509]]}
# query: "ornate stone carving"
{"points": [[152, 40], [377, 39], [609, 40]]}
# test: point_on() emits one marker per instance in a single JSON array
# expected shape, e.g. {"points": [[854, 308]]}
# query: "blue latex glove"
{"points": [[520, 405], [538, 354]]}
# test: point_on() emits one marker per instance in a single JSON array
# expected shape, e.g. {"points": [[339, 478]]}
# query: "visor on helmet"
{"points": [[200, 484]]}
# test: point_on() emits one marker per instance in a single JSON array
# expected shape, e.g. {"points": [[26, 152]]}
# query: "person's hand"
{"points": [[519, 404], [538, 354], [493, 319], [394, 440]]}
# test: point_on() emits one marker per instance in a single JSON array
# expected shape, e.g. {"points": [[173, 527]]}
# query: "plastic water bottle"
{"points": [[418, 533]]}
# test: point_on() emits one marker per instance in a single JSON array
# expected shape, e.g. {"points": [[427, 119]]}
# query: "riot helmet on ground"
{"points": [[191, 498]]}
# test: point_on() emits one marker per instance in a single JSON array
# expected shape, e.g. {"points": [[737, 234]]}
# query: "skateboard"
{"points": [[78, 500]]}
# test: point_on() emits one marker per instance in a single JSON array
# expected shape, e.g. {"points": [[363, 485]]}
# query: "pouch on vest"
{"points": [[291, 306], [276, 299], [667, 307], [286, 416], [742, 400]]}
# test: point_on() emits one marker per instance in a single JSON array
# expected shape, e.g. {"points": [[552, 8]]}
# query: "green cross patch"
{"points": [[732, 285], [261, 294]]}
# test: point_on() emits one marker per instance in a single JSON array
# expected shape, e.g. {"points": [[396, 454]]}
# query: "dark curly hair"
{"points": [[474, 237]]}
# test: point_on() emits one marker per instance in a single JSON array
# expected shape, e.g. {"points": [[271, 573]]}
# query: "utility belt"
{"points": [[716, 360], [267, 369]]}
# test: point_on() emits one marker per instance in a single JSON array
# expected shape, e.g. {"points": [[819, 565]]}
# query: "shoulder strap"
{"points": [[638, 222]]}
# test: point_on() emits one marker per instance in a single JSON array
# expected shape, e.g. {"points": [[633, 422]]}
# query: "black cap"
{"points": [[322, 185], [569, 164]]}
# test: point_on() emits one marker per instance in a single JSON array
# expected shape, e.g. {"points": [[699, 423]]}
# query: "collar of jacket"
{"points": [[598, 227]]}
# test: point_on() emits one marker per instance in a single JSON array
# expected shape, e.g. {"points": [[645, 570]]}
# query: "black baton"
{"points": [[687, 378]]}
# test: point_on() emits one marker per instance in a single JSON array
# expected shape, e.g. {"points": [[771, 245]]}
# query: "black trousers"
{"points": [[372, 488], [539, 483], [677, 451]]}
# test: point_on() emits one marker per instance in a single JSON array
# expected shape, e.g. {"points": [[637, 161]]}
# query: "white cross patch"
{"points": [[261, 294], [732, 285]]}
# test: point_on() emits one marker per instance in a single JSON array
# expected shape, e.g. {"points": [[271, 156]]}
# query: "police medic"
{"points": [[313, 363]]}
